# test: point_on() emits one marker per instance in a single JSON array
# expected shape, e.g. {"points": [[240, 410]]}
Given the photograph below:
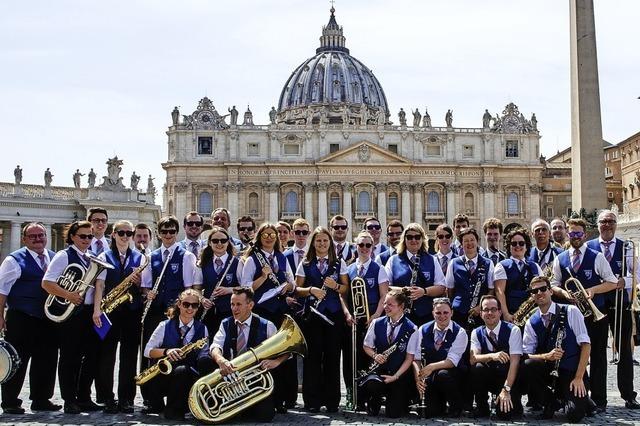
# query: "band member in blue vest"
{"points": [[125, 320], [221, 217], [437, 350], [443, 239], [268, 273], [415, 271], [221, 272], [613, 250], [295, 254], [460, 222], [338, 226], [193, 223], [322, 272], [76, 333], [513, 275], [492, 229], [99, 222], [468, 278], [372, 225], [26, 328], [556, 349], [166, 341], [386, 343], [544, 252], [237, 334], [594, 273], [496, 348], [284, 234], [394, 236]]}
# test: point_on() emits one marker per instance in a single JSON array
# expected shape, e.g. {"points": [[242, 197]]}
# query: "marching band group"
{"points": [[445, 328]]}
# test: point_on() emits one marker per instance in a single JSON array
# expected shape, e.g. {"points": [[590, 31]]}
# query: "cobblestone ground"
{"points": [[615, 414]]}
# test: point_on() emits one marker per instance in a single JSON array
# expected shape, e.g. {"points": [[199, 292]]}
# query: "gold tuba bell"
{"points": [[214, 400]]}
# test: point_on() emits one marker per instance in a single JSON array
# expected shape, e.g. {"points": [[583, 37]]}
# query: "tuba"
{"points": [[120, 293], [579, 294], [75, 278], [213, 399], [524, 312]]}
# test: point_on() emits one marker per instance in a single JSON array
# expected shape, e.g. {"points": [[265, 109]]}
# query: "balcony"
{"points": [[432, 215], [362, 214], [290, 215]]}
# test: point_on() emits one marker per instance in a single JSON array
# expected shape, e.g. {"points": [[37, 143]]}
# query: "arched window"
{"points": [[433, 202], [364, 201], [393, 204], [334, 204], [291, 202], [468, 203], [205, 203], [253, 203], [513, 205]]}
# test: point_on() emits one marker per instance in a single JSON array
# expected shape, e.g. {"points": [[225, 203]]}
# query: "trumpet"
{"points": [[120, 293], [579, 294]]}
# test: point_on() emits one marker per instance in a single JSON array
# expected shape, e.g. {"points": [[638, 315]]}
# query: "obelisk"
{"points": [[587, 154]]}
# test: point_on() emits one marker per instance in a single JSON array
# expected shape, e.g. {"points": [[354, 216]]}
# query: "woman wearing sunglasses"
{"points": [[221, 272], [513, 275], [415, 270], [172, 334], [125, 321], [444, 239]]}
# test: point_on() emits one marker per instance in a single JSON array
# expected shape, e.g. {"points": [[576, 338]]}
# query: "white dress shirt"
{"points": [[93, 248], [10, 271], [343, 268], [575, 321], [189, 277], [158, 335], [515, 339], [449, 279], [438, 276], [223, 259], [370, 337], [601, 266], [249, 269], [499, 273], [382, 272], [57, 266], [221, 335], [456, 350]]}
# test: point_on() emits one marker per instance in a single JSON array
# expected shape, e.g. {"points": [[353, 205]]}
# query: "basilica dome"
{"points": [[332, 86]]}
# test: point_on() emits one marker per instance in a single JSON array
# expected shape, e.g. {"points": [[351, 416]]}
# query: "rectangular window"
{"points": [[393, 148], [433, 151], [549, 211], [569, 211], [334, 147], [467, 151], [512, 149], [291, 149], [205, 145], [610, 195], [549, 198], [253, 149]]}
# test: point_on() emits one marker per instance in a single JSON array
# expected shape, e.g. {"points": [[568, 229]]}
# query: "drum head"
{"points": [[9, 361]]}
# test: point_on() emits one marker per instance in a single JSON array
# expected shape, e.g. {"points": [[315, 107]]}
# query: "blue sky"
{"points": [[85, 80]]}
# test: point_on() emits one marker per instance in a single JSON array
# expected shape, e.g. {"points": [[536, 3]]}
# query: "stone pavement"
{"points": [[616, 414]]}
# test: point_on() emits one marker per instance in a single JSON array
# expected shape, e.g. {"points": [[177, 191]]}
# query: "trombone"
{"points": [[360, 310], [628, 249]]}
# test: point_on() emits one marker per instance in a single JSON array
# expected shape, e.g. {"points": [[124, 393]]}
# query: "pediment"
{"points": [[363, 153]]}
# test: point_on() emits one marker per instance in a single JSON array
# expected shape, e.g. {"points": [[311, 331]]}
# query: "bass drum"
{"points": [[9, 361]]}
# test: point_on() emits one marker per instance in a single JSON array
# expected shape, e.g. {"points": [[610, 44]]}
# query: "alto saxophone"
{"points": [[164, 366], [120, 293], [524, 312]]}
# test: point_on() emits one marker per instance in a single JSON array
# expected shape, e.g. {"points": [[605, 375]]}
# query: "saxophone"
{"points": [[524, 312], [164, 366], [120, 293]]}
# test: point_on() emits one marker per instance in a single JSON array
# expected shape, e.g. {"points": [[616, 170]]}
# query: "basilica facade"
{"points": [[331, 147]]}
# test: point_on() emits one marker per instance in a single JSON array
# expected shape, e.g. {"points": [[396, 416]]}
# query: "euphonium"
{"points": [[586, 305], [213, 399], [360, 310], [524, 312], [120, 293], [164, 366], [75, 278]]}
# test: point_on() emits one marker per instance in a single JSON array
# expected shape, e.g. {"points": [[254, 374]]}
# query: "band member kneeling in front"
{"points": [[168, 341], [436, 350], [237, 334], [557, 347], [386, 342], [496, 348]]}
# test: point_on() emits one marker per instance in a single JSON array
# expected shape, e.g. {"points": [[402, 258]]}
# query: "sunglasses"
{"points": [[394, 234], [302, 232], [443, 236], [219, 240], [245, 228], [537, 290], [36, 236], [410, 237], [85, 236], [338, 227], [168, 231], [187, 305], [518, 243], [362, 245], [268, 235], [374, 227], [576, 234], [193, 223], [122, 233]]}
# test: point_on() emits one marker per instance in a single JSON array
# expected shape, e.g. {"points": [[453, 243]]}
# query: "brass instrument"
{"points": [[164, 366], [148, 303], [215, 399], [524, 312], [619, 304], [75, 279], [120, 293], [360, 310], [586, 305]]}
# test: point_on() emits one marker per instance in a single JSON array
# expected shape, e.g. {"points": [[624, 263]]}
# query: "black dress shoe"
{"points": [[281, 409], [313, 409], [153, 409], [632, 404], [125, 407], [111, 407], [45, 405], [332, 409], [600, 409], [72, 408], [89, 406], [373, 407], [169, 415], [13, 410]]}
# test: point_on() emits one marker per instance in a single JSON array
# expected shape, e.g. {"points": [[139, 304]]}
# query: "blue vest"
{"points": [[372, 284], [351, 253], [313, 278], [429, 353], [401, 268], [586, 274], [534, 254], [547, 338], [171, 338], [616, 268], [500, 256], [27, 294], [464, 284], [275, 304], [503, 338], [385, 256], [172, 283], [117, 274], [210, 280], [257, 335], [518, 282], [395, 360]]}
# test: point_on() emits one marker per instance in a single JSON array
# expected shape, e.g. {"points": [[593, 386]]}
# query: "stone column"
{"points": [[322, 204], [406, 202], [308, 203], [452, 189], [15, 236], [274, 214], [382, 208], [47, 228], [347, 189], [232, 206], [489, 189], [180, 207], [534, 202], [418, 203]]}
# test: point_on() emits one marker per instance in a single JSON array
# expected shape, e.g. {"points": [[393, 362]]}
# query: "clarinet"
{"points": [[475, 298], [336, 268], [263, 262], [412, 282], [155, 288], [559, 338], [218, 284]]}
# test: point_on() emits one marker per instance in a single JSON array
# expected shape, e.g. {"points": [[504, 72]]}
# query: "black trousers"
{"points": [[488, 379], [599, 334], [537, 375], [443, 387], [175, 387], [34, 339], [321, 376], [397, 394], [362, 360], [151, 321], [125, 329], [625, 352], [212, 320]]}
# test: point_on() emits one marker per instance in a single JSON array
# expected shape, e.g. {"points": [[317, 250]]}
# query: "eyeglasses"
{"points": [[198, 224], [443, 236], [394, 234], [410, 237], [168, 231], [36, 236], [374, 227], [85, 236], [576, 234], [339, 227], [187, 305], [98, 220], [302, 232], [492, 310], [518, 243], [122, 233], [218, 240], [245, 228], [537, 290], [268, 235], [607, 222], [362, 245]]}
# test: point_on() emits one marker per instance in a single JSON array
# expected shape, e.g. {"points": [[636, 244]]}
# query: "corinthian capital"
{"points": [[347, 186], [381, 186]]}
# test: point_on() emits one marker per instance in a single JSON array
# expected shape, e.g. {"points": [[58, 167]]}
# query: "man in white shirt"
{"points": [[99, 221], [193, 224]]}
